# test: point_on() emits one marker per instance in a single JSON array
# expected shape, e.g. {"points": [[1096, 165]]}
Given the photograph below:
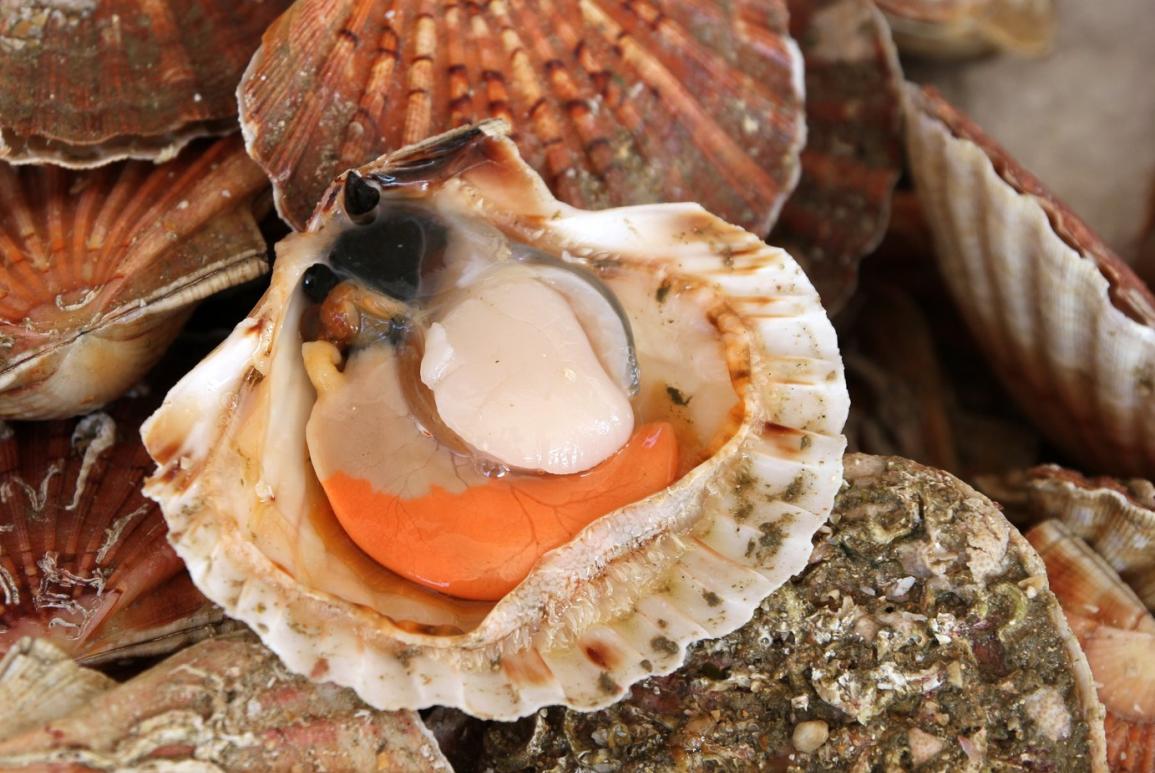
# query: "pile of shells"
{"points": [[501, 360]]}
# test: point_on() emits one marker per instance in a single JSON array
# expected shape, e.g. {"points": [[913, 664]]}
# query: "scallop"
{"points": [[477, 448]]}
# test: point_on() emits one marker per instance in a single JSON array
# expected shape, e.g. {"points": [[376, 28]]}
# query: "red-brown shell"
{"points": [[661, 100], [86, 82], [99, 267]]}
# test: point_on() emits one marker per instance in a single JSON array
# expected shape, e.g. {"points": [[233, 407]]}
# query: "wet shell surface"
{"points": [[758, 418], [87, 82], [921, 636], [84, 562], [226, 704], [853, 155], [1066, 324], [612, 103], [99, 269], [1117, 633], [950, 29]]}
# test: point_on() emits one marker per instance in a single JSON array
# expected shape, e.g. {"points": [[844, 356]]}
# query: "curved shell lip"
{"points": [[158, 148], [523, 654]]}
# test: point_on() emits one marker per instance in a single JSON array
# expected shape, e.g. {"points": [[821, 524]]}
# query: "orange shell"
{"points": [[83, 557], [853, 156], [86, 82], [614, 104], [98, 269]]}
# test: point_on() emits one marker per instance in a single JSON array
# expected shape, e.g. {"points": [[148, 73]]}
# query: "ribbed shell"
{"points": [[83, 557], [225, 704], [1117, 634], [98, 269], [630, 592], [86, 82], [1065, 323], [612, 103], [39, 682], [949, 29], [853, 155]]}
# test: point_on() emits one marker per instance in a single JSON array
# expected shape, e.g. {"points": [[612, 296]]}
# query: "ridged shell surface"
{"points": [[612, 103], [1066, 324], [86, 82], [853, 155], [83, 558], [949, 29], [98, 269], [620, 601]]}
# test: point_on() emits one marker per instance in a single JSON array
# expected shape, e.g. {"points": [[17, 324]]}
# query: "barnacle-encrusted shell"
{"points": [[1116, 632], [612, 103], [947, 29], [921, 636], [225, 704], [853, 155], [86, 82], [98, 269], [619, 602], [83, 557], [1068, 327]]}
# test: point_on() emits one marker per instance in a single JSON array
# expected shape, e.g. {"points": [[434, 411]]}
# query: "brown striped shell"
{"points": [[1116, 632], [86, 82], [613, 104], [99, 268], [948, 29], [1067, 325], [83, 557], [853, 155]]}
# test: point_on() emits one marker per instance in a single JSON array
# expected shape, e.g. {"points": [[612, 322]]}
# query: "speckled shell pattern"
{"points": [[98, 269], [84, 560], [853, 156], [612, 103], [87, 82], [623, 599], [1116, 632], [1067, 326], [951, 29]]}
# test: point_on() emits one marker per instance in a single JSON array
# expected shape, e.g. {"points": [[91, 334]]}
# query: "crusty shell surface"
{"points": [[619, 602]]}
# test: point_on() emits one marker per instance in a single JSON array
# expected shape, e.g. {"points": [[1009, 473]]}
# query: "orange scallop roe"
{"points": [[480, 543]]}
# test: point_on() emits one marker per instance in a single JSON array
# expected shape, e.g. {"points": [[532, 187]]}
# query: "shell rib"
{"points": [[1116, 632], [1066, 324], [83, 557], [853, 155], [950, 29], [613, 104], [39, 682], [99, 269], [619, 602], [87, 82]]}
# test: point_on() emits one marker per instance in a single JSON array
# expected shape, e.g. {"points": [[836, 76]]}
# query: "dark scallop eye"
{"points": [[389, 254], [318, 281], [361, 198]]}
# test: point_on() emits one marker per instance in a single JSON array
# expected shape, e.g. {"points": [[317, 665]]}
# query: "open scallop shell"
{"points": [[1117, 634], [614, 104], [86, 82], [225, 704], [83, 558], [99, 269], [950, 29], [1067, 326], [853, 155], [619, 602]]}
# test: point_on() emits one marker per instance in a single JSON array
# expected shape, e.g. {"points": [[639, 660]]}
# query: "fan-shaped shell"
{"points": [[874, 658], [86, 82], [83, 557], [614, 104], [39, 682], [617, 603], [225, 704], [853, 155], [948, 29], [1066, 324], [1116, 632], [99, 269]]}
